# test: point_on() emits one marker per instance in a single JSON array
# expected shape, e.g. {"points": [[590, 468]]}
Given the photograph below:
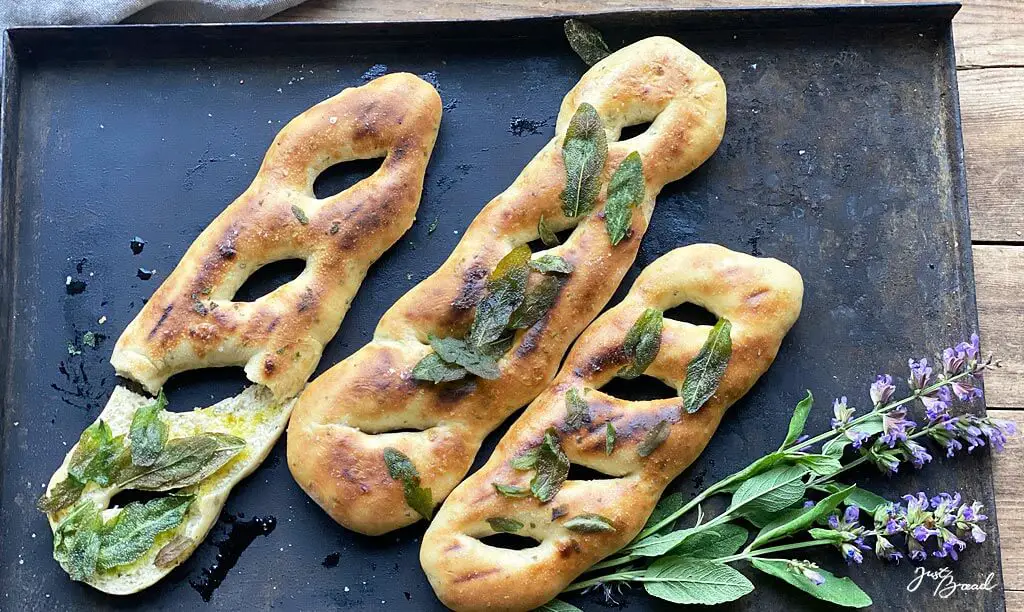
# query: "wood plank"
{"points": [[1000, 285], [1008, 474], [989, 33], [992, 109], [1015, 601]]}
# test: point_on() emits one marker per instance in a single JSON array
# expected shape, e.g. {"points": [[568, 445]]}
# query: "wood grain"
{"points": [[1008, 473], [989, 33], [999, 278]]}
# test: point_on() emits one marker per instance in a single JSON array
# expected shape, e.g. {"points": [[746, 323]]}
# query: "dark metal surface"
{"points": [[842, 156]]}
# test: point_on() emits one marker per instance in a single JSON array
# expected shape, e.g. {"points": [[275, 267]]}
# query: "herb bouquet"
{"points": [[793, 499]]}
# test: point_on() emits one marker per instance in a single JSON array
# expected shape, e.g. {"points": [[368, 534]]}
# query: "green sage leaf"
{"points": [[61, 495], [609, 438], [511, 490], [453, 350], [577, 411], [173, 551], [95, 456], [76, 540], [148, 434], [642, 343], [557, 605], [538, 301], [822, 465], [798, 420], [300, 215], [826, 535], [713, 543], [501, 524], [839, 591], [551, 263], [505, 291], [434, 369], [654, 438], [625, 192], [685, 580], [183, 462], [584, 151], [771, 491], [786, 526], [666, 507], [706, 370], [837, 445], [526, 460], [586, 41], [547, 236], [661, 544], [862, 498], [134, 530], [552, 468], [589, 523], [401, 468]]}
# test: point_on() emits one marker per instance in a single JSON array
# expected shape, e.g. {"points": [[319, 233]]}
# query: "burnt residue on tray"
{"points": [[136, 245], [521, 126], [241, 532]]}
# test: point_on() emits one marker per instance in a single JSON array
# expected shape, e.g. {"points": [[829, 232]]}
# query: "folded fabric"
{"points": [[74, 12]]}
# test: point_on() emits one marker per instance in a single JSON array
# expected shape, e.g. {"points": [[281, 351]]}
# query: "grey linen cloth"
{"points": [[70, 12]]}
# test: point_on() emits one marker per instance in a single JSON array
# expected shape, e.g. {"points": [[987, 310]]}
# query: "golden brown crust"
{"points": [[761, 297], [191, 322], [337, 434]]}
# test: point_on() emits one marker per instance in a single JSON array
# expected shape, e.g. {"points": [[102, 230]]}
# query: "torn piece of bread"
{"points": [[760, 297], [253, 415], [347, 418], [191, 321]]}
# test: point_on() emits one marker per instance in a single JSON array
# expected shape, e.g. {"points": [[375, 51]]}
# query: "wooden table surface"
{"points": [[989, 38]]}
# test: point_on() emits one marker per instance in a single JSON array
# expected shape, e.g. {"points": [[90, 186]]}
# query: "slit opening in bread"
{"points": [[269, 278], [694, 314], [204, 387], [341, 176], [508, 541], [644, 388]]}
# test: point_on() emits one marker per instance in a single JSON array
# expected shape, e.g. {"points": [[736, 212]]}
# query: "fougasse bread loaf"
{"points": [[195, 458], [378, 448], [640, 445], [191, 321]]}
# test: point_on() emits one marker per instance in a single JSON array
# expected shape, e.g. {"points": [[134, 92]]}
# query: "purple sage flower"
{"points": [[918, 454], [882, 389], [894, 426], [842, 413], [920, 374]]}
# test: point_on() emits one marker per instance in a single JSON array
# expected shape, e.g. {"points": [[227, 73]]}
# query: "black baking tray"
{"points": [[842, 156]]}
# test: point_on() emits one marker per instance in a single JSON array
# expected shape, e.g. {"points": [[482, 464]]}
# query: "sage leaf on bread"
{"points": [[547, 236], [552, 468], [76, 540], [684, 580], [501, 524], [705, 371], [589, 523], [61, 495], [510, 490], [96, 454], [576, 409], [539, 300], [551, 263], [131, 533], [642, 343], [625, 192], [148, 434], [454, 350], [609, 438], [436, 370], [584, 151], [839, 591], [586, 41], [173, 551], [526, 460], [654, 438], [505, 291], [402, 469], [300, 215], [183, 462]]}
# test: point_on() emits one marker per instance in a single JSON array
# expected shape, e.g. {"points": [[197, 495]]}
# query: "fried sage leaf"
{"points": [[539, 300], [577, 411], [300, 215], [552, 468], [96, 455], [642, 343], [172, 551], [589, 523], [505, 292], [76, 540], [401, 468], [453, 350], [609, 438], [547, 236], [584, 151], [706, 370], [132, 532], [148, 434], [501, 524], [434, 369], [62, 495], [625, 192], [525, 460], [511, 490], [586, 41], [551, 263], [654, 438], [183, 462]]}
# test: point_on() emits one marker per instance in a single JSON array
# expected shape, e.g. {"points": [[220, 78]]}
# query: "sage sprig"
{"points": [[625, 192], [148, 434], [642, 343], [706, 369], [586, 41], [794, 499], [584, 152], [401, 468]]}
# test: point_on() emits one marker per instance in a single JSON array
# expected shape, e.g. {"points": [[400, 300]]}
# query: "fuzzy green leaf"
{"points": [[557, 605], [822, 465], [839, 591], [401, 468], [659, 544], [547, 236], [771, 491], [505, 292], [183, 462], [625, 192], [501, 524], [434, 369], [584, 151], [551, 263], [713, 543], [552, 468], [76, 540], [862, 498], [666, 507], [300, 215], [654, 438], [453, 350], [586, 41], [577, 411], [148, 434], [511, 490], [173, 551], [685, 580], [609, 438], [806, 517], [134, 530], [61, 495], [799, 420], [96, 454], [706, 370], [642, 343], [539, 300], [589, 523], [525, 460]]}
